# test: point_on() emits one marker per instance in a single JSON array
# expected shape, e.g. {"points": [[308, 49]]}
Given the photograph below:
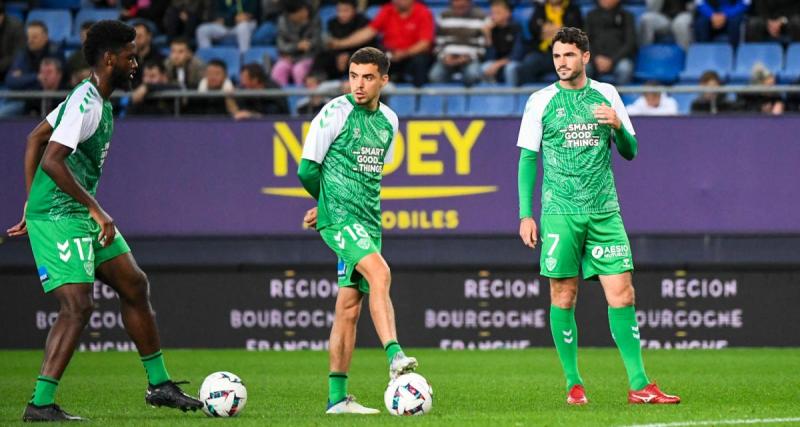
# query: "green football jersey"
{"points": [[352, 144], [576, 149], [84, 123]]}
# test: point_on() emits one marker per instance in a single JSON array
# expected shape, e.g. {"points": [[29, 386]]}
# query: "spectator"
{"points": [[504, 35], [145, 52], [183, 16], [215, 80], [719, 18], [613, 34], [460, 43], [23, 74], [151, 11], [50, 78], [231, 17], [312, 104], [183, 68], [710, 102], [333, 63], [154, 80], [253, 77], [653, 104], [665, 17], [765, 103], [407, 30], [77, 67], [12, 40], [774, 20], [548, 17], [299, 39]]}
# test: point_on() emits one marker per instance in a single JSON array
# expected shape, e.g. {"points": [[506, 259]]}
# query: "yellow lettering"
{"points": [[462, 144], [285, 143], [418, 146]]}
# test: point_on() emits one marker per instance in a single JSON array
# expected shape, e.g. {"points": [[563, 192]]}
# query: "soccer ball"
{"points": [[223, 395], [409, 394]]}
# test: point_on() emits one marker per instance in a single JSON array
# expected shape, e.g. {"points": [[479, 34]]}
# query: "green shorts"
{"points": [[67, 250], [596, 242], [351, 242]]}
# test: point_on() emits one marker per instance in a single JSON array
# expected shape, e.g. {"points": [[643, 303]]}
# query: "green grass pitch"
{"points": [[497, 388]]}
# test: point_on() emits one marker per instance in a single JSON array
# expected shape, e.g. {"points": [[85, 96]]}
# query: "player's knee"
{"points": [[563, 296], [622, 298], [138, 288], [77, 309], [381, 279], [349, 314]]}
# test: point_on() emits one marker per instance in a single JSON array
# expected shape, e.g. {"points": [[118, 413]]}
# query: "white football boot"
{"points": [[402, 364], [348, 405]]}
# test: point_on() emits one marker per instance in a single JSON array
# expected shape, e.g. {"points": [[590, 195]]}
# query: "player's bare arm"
{"points": [[54, 165], [37, 141]]}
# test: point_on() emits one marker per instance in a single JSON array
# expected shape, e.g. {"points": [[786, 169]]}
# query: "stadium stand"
{"points": [[58, 22], [707, 56]]}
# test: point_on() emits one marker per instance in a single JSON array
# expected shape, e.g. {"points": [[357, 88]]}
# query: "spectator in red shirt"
{"points": [[408, 31]]}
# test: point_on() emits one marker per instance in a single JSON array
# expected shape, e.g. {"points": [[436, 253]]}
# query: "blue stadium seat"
{"points": [[430, 105], [372, 11], [684, 101], [661, 62], [637, 10], [260, 54], [702, 57], [58, 22], [265, 34], [59, 4], [403, 105], [522, 15], [492, 105], [88, 15], [454, 105], [791, 71], [325, 14], [749, 54], [17, 9], [230, 55]]}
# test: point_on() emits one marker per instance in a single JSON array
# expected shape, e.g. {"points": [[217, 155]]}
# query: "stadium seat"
{"points": [[325, 14], [59, 4], [791, 71], [522, 15], [230, 55], [265, 34], [430, 105], [372, 11], [684, 101], [702, 57], [17, 9], [264, 55], [454, 105], [661, 62], [637, 10], [58, 22], [491, 105], [403, 105], [749, 54], [88, 15]]}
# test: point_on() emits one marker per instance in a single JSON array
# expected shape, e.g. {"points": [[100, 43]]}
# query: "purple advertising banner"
{"points": [[450, 176]]}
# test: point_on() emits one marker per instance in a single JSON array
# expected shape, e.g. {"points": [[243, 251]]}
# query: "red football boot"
{"points": [[577, 395], [651, 394]]}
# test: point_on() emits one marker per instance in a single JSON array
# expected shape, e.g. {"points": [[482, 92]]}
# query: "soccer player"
{"points": [[572, 123], [73, 239], [343, 156]]}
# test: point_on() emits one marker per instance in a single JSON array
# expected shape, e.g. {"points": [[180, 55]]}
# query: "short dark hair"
{"points": [[104, 36], [350, 2], [143, 24], [52, 60], [156, 64], [294, 5], [181, 40], [503, 3], [370, 55], [255, 71], [39, 24], [219, 63], [709, 75], [572, 35], [86, 25]]}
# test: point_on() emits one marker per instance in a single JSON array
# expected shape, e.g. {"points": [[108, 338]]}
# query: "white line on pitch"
{"points": [[720, 422]]}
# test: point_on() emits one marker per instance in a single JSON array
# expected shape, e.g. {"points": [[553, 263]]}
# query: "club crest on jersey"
{"points": [[363, 243], [550, 263], [383, 134], [560, 112], [356, 133]]}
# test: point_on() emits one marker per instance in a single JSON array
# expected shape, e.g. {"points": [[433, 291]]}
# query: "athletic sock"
{"points": [[565, 337], [337, 387], [392, 348], [625, 332], [154, 366], [44, 393]]}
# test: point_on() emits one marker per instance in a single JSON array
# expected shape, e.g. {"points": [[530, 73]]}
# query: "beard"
{"points": [[571, 76], [121, 79]]}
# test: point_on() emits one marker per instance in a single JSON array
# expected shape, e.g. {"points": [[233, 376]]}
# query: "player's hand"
{"points": [[20, 228], [310, 218], [528, 232], [107, 229], [606, 115]]}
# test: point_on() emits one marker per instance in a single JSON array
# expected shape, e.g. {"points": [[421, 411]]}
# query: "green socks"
{"points": [[392, 348], [337, 387], [154, 366], [44, 393], [565, 337], [625, 332]]}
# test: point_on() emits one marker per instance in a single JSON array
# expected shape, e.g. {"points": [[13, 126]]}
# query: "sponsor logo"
{"points": [[43, 276], [339, 240], [611, 251], [341, 268], [64, 253], [568, 338], [635, 332], [550, 263], [597, 252]]}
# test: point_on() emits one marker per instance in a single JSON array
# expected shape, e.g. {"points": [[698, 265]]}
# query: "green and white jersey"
{"points": [[84, 123], [576, 150], [352, 144]]}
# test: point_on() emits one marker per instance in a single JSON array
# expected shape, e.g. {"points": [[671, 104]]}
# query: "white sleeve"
{"points": [[79, 120], [325, 128], [52, 117], [392, 117], [530, 129], [622, 113]]}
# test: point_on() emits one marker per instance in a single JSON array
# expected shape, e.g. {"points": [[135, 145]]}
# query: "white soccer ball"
{"points": [[409, 394], [223, 394]]}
